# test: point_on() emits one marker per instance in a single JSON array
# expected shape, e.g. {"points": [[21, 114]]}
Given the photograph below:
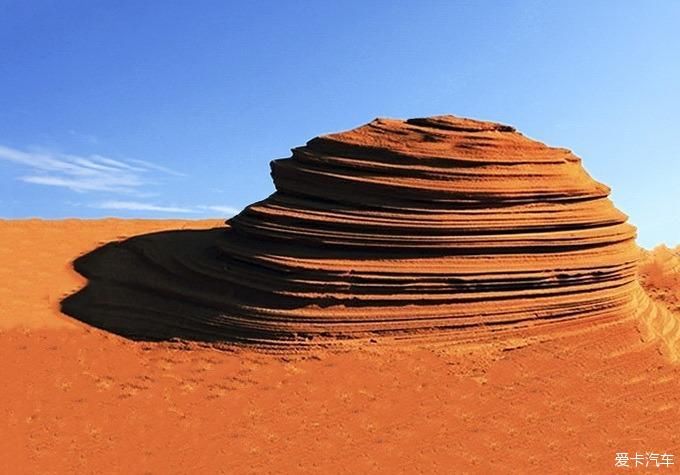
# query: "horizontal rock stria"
{"points": [[430, 226]]}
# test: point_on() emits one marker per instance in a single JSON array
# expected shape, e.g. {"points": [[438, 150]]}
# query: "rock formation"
{"points": [[437, 228]]}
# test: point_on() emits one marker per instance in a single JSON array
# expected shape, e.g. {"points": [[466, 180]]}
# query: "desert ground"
{"points": [[76, 399]]}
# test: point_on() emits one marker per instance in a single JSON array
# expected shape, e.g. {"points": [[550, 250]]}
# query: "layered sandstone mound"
{"points": [[435, 228]]}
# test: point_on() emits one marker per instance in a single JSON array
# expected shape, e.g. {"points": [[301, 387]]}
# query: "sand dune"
{"points": [[661, 266], [660, 275], [85, 401]]}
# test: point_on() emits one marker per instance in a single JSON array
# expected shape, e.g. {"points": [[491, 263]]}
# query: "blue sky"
{"points": [[174, 109]]}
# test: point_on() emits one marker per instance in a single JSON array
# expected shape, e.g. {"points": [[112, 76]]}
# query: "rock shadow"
{"points": [[157, 286]]}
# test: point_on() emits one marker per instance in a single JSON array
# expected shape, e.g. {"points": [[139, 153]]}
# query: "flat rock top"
{"points": [[460, 124], [445, 136]]}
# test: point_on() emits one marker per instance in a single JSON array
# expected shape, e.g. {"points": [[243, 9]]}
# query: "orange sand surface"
{"points": [[78, 400]]}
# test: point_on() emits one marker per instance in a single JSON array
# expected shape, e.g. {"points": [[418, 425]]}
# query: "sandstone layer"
{"points": [[437, 228]]}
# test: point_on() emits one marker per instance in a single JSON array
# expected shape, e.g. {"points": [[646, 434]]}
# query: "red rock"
{"points": [[439, 228]]}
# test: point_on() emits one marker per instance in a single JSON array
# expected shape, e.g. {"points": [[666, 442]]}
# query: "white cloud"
{"points": [[230, 210], [97, 174], [93, 173], [142, 206], [153, 166], [138, 206]]}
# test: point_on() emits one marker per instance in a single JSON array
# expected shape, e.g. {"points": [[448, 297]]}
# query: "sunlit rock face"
{"points": [[433, 227]]}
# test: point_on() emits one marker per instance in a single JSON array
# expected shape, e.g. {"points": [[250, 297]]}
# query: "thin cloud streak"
{"points": [[153, 166], [153, 207], [93, 173], [122, 179], [138, 206], [229, 210]]}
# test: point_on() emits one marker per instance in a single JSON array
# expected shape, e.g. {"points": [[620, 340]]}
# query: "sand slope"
{"points": [[80, 400]]}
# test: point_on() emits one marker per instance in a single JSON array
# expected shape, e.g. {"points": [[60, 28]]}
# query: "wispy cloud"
{"points": [[153, 166], [93, 173], [204, 210], [121, 180], [228, 210], [138, 206]]}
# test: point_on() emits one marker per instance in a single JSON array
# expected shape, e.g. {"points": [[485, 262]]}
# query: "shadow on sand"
{"points": [[155, 287]]}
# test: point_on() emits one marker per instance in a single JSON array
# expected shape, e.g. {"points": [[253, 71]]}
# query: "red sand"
{"points": [[78, 400]]}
